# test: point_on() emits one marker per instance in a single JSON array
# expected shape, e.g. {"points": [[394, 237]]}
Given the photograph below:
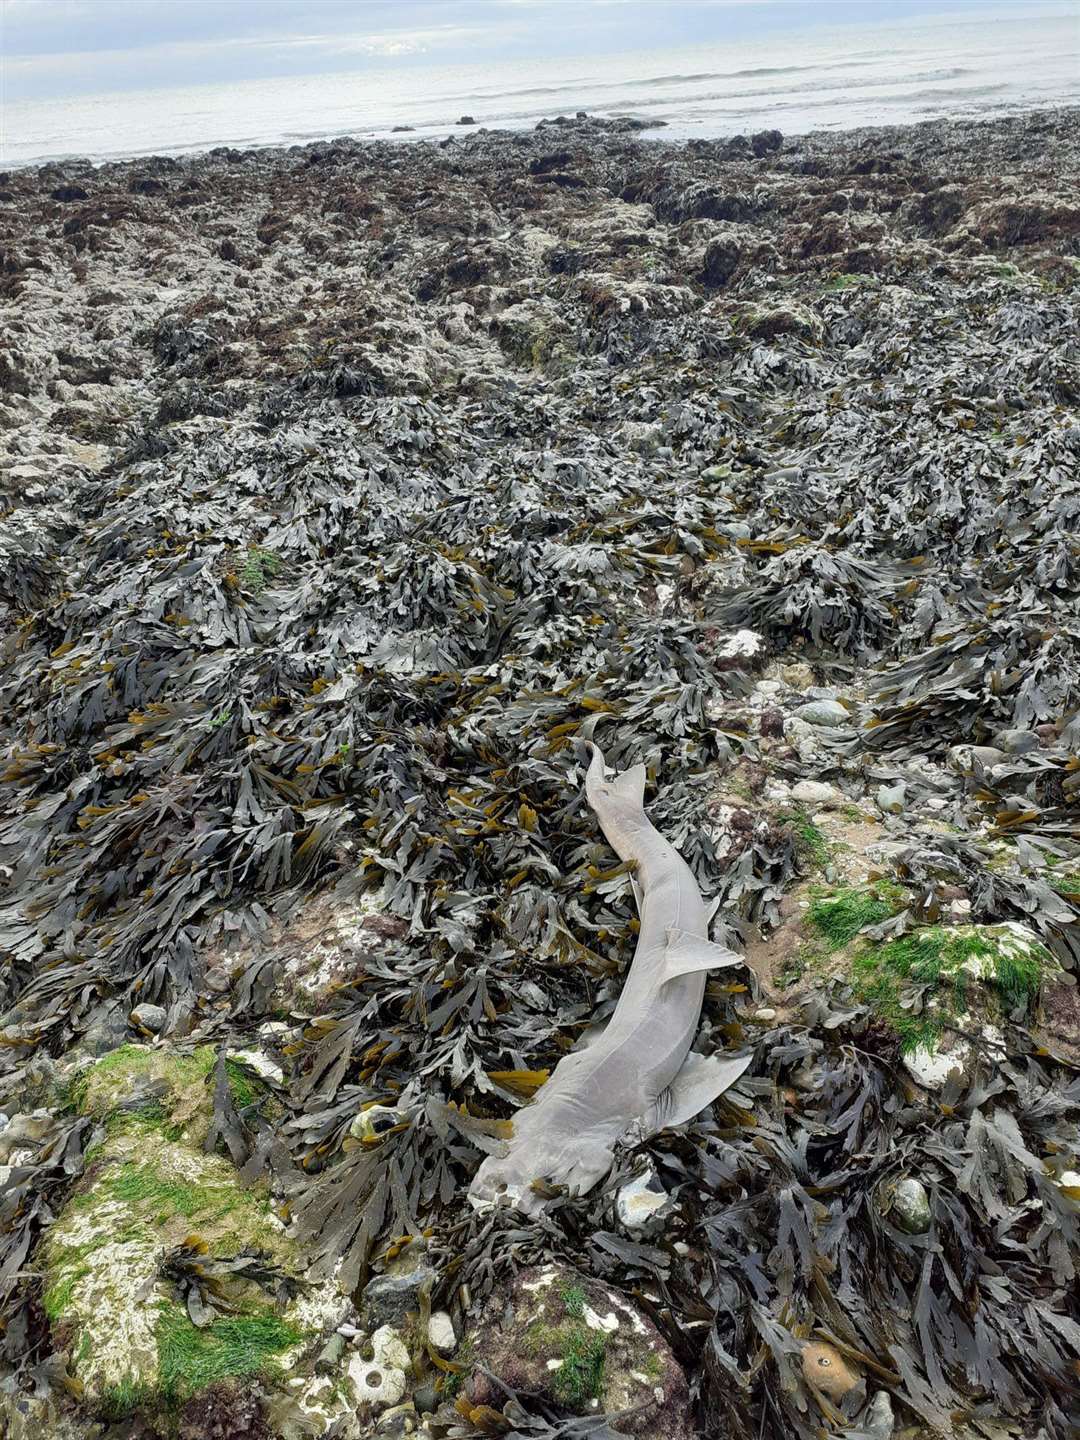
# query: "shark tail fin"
{"points": [[702, 1079], [687, 954], [627, 786], [630, 784]]}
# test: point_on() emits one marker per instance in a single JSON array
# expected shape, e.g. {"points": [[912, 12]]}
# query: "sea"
{"points": [[975, 64]]}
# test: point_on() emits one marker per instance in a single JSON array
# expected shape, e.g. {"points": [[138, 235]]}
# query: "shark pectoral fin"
{"points": [[700, 1081], [686, 954]]}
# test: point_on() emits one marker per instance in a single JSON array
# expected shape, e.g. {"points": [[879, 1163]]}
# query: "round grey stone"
{"points": [[389, 1299], [911, 1206], [826, 713], [425, 1399], [816, 792], [150, 1017]]}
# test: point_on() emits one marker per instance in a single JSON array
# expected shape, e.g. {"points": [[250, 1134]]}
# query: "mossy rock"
{"points": [[148, 1189], [933, 984], [968, 975], [584, 1348], [791, 318], [148, 1084]]}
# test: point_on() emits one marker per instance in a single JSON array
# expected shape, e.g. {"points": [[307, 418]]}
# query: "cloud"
{"points": [[63, 48], [35, 69]]}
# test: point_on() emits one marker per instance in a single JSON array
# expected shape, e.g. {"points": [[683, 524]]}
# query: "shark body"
{"points": [[640, 1075]]}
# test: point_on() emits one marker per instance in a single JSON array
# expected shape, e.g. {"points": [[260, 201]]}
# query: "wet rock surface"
{"points": [[342, 490]]}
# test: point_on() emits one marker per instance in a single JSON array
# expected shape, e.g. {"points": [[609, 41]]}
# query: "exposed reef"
{"points": [[343, 489]]}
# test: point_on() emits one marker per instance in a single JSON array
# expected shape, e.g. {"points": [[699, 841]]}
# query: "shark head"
{"points": [[619, 803], [501, 1181], [576, 1162]]}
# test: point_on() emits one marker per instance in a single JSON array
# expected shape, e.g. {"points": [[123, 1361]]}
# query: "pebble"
{"points": [[771, 724], [380, 1381], [911, 1206], [332, 1351], [425, 1399], [393, 1297], [816, 792], [441, 1332], [878, 1420], [376, 1384], [964, 759], [826, 713], [150, 1017], [396, 1423], [1017, 742], [765, 1013], [799, 676], [642, 1200]]}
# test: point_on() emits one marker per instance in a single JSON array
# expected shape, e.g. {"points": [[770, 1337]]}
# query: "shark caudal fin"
{"points": [[702, 1079], [687, 954], [619, 804], [626, 789]]}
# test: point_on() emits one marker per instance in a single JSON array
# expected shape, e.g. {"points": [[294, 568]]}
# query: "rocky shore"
{"points": [[343, 489]]}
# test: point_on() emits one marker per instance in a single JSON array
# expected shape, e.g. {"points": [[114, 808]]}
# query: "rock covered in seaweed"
{"points": [[583, 1348]]}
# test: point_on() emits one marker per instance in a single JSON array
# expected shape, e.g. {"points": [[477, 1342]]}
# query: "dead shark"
{"points": [[640, 1075]]}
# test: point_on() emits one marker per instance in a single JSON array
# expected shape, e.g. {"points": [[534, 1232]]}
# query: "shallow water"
{"points": [[837, 79]]}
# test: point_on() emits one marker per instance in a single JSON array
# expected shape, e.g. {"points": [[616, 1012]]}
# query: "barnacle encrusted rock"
{"points": [[583, 1347], [149, 1188]]}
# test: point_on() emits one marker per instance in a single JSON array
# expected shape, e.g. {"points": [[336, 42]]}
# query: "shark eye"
{"points": [[500, 1189], [824, 1360]]}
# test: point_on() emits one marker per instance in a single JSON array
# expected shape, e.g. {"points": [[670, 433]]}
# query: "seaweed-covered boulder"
{"points": [[320, 947], [530, 333], [164, 1274], [721, 261], [582, 1347], [791, 318]]}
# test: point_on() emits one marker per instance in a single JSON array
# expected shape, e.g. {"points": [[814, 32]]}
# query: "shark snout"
{"points": [[497, 1183]]}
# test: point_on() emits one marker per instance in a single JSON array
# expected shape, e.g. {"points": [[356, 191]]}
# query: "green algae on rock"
{"points": [[150, 1191], [837, 916], [949, 962]]}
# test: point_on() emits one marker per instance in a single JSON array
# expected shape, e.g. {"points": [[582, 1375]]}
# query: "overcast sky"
{"points": [[55, 48]]}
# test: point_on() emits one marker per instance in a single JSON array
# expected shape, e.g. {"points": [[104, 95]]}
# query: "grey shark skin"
{"points": [[640, 1075]]}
